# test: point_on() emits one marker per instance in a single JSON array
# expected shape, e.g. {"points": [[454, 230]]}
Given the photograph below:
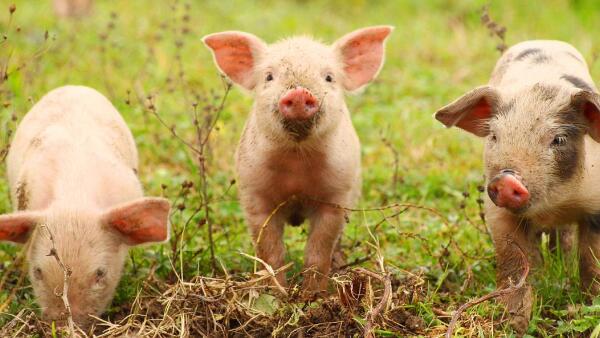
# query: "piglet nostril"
{"points": [[492, 190]]}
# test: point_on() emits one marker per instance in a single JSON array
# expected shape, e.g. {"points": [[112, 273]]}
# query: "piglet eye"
{"points": [[100, 273], [37, 273], [559, 140], [493, 137], [269, 77], [329, 78]]}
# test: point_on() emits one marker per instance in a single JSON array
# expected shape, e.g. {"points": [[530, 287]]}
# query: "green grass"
{"points": [[130, 50]]}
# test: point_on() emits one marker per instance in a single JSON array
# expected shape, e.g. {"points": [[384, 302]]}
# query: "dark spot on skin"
{"points": [[574, 56], [567, 160], [35, 142], [505, 107], [528, 52], [568, 156], [577, 82], [538, 55], [593, 221], [22, 196], [545, 92], [541, 58], [295, 219], [135, 171]]}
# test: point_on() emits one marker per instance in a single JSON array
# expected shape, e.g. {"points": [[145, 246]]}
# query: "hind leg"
{"points": [[563, 238], [589, 256]]}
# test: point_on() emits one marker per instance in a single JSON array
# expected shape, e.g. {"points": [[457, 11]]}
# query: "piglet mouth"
{"points": [[299, 130], [507, 190], [299, 110]]}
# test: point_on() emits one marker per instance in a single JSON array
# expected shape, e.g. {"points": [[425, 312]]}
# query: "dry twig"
{"points": [[405, 206], [495, 294], [495, 29], [64, 295], [387, 294], [270, 271], [396, 155]]}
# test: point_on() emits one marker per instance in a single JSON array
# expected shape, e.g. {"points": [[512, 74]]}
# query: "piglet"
{"points": [[299, 155], [72, 8], [540, 117], [72, 173]]}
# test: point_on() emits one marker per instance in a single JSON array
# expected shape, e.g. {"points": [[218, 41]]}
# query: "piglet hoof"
{"points": [[519, 324], [314, 285], [519, 306], [591, 288], [311, 295]]}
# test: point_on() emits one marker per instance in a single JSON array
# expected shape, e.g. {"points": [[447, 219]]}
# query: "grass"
{"points": [[147, 57]]}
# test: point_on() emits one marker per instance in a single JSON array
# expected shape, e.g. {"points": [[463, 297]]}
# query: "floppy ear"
{"points": [[17, 226], [362, 53], [141, 221], [471, 111], [588, 103], [235, 54]]}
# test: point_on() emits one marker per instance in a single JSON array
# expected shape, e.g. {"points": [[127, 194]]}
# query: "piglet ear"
{"points": [[471, 111], [588, 103], [141, 221], [362, 54], [16, 227], [236, 54]]}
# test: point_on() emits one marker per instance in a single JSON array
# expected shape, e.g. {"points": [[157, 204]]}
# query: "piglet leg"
{"points": [[589, 255], [326, 226], [510, 236], [339, 258], [268, 240]]}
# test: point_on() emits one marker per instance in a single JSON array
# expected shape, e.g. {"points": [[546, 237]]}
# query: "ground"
{"points": [[430, 245]]}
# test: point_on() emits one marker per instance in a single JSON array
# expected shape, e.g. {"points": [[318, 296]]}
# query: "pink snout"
{"points": [[298, 104], [507, 191]]}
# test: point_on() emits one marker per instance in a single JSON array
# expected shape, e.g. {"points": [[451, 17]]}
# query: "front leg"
{"points": [[339, 259], [267, 234], [589, 254], [326, 226], [510, 233]]}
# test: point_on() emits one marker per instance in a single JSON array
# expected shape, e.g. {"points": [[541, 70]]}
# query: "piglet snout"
{"points": [[507, 191], [298, 104]]}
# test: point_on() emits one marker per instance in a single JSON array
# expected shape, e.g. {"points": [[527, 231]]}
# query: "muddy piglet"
{"points": [[72, 172], [540, 117], [299, 154]]}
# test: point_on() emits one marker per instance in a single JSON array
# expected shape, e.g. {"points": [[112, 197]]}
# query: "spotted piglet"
{"points": [[72, 173], [299, 154], [540, 117]]}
